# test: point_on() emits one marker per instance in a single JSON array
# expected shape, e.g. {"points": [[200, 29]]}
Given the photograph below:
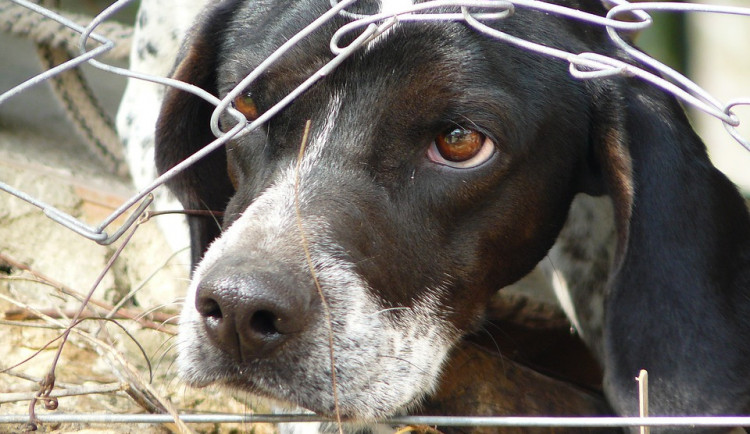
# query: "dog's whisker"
{"points": [[166, 351], [489, 334], [502, 357]]}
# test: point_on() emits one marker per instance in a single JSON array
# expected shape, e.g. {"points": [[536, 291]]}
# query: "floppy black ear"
{"points": [[679, 294], [183, 128]]}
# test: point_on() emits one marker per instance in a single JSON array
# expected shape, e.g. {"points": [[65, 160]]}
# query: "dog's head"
{"points": [[439, 167]]}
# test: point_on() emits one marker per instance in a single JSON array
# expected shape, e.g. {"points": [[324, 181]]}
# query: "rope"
{"points": [[22, 22], [57, 44]]}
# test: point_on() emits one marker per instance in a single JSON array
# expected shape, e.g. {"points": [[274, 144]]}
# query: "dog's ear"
{"points": [[183, 128], [683, 235]]}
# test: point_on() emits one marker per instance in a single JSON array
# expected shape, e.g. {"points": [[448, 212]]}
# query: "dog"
{"points": [[441, 165]]}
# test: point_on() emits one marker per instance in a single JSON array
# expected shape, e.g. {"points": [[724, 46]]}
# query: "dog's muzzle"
{"points": [[263, 316]]}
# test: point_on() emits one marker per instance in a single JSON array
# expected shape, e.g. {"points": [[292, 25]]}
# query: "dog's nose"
{"points": [[249, 314]]}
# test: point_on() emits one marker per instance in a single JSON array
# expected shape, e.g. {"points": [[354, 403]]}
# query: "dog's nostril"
{"points": [[209, 308], [264, 322]]}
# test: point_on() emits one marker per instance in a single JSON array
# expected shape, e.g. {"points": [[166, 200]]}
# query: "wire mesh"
{"points": [[582, 66], [361, 30], [453, 421]]}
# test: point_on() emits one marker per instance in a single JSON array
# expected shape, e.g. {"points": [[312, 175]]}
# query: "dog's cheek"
{"points": [[409, 352]]}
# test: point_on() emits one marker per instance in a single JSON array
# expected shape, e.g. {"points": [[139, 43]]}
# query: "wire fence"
{"points": [[361, 29], [582, 66], [452, 421]]}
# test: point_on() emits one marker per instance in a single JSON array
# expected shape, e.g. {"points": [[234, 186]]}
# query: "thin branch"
{"points": [[68, 391], [313, 274]]}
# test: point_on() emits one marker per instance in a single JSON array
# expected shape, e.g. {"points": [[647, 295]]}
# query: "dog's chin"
{"points": [[345, 411], [282, 399], [354, 401]]}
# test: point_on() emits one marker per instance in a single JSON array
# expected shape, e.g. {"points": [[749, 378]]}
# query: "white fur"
{"points": [[389, 7], [562, 292], [394, 6]]}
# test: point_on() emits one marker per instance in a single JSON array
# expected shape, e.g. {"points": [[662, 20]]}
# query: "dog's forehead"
{"points": [[403, 88], [393, 59]]}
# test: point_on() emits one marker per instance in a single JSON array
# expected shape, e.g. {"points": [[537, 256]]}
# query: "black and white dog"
{"points": [[440, 166]]}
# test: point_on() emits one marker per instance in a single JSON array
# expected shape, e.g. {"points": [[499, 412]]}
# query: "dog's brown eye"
{"points": [[461, 148], [245, 104], [459, 144]]}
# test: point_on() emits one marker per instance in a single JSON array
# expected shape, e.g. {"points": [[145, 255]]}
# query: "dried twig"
{"points": [[313, 274], [68, 391], [58, 324], [21, 314], [48, 383], [139, 390], [147, 320]]}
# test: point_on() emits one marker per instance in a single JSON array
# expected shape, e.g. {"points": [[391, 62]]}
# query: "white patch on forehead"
{"points": [[323, 132], [394, 6], [274, 209], [389, 7]]}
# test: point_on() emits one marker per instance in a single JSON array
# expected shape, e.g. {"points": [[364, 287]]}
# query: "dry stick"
{"points": [[22, 314], [72, 391], [308, 257], [59, 325], [27, 325], [141, 392], [40, 350], [33, 379], [48, 383], [195, 212], [41, 278], [51, 397]]}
